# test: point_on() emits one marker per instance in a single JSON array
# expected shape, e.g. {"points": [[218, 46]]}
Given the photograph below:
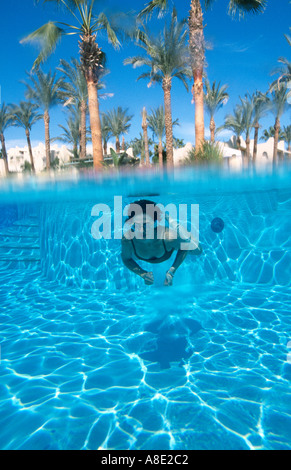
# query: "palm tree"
{"points": [[87, 26], [118, 123], [77, 94], [234, 122], [270, 133], [25, 115], [76, 89], [261, 104], [278, 107], [138, 147], [71, 134], [145, 136], [215, 97], [167, 57], [197, 46], [106, 132], [247, 107], [284, 71], [5, 121], [156, 122], [157, 125], [287, 136], [46, 92]]}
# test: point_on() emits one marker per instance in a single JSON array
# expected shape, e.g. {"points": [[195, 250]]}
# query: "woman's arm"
{"points": [[177, 237], [128, 261]]}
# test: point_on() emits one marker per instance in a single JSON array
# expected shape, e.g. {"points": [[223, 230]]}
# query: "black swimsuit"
{"points": [[165, 257]]}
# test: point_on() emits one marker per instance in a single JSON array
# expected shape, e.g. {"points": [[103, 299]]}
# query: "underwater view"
{"points": [[94, 358], [145, 228]]}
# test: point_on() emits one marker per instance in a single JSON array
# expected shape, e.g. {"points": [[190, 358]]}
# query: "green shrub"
{"points": [[209, 153]]}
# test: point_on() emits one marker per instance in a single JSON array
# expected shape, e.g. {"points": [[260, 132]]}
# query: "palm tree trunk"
{"points": [[75, 151], [167, 85], [95, 122], [46, 118], [256, 138], [212, 130], [83, 130], [276, 140], [145, 136], [123, 144], [30, 149], [4, 154], [104, 147], [117, 144], [197, 57], [248, 152], [160, 149]]}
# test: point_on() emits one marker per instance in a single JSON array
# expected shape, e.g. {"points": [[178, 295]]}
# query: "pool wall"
{"points": [[8, 214]]}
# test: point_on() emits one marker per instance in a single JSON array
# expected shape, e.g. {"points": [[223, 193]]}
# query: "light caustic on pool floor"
{"points": [[85, 370]]}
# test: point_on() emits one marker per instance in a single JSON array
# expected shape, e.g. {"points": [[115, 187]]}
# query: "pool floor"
{"points": [[84, 369]]}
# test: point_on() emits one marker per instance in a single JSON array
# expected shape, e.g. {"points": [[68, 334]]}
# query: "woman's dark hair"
{"points": [[142, 203]]}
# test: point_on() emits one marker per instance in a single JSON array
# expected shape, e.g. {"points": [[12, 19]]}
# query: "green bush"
{"points": [[26, 167], [209, 153]]}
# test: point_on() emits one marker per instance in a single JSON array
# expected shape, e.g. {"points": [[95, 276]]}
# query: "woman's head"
{"points": [[144, 207], [143, 213]]}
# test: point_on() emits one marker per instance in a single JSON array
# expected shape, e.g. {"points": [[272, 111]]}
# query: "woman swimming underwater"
{"points": [[157, 248]]}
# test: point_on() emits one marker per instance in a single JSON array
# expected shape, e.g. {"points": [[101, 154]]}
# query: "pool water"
{"points": [[91, 358]]}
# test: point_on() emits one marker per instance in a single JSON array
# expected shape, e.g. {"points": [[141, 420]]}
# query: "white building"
{"points": [[17, 157], [234, 157]]}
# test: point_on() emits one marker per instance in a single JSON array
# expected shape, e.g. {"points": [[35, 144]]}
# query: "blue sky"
{"points": [[242, 54]]}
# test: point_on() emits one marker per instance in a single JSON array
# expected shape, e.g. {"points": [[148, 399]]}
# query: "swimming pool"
{"points": [[92, 358]]}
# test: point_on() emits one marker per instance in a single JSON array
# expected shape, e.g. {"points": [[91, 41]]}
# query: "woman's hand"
{"points": [[169, 277], [148, 278]]}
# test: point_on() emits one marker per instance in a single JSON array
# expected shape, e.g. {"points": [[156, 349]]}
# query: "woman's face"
{"points": [[144, 227]]}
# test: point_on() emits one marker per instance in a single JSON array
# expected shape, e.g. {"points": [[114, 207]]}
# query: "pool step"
{"points": [[19, 243]]}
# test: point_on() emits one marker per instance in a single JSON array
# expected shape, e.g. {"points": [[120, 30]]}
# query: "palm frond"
{"points": [[246, 6], [25, 114], [102, 22], [160, 5], [47, 37], [215, 96]]}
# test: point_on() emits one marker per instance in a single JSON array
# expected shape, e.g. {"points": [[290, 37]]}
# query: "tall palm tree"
{"points": [[261, 104], [278, 107], [76, 88], [167, 57], [46, 92], [87, 26], [118, 123], [197, 46], [25, 115], [5, 121], [287, 136], [77, 93], [215, 97]]}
